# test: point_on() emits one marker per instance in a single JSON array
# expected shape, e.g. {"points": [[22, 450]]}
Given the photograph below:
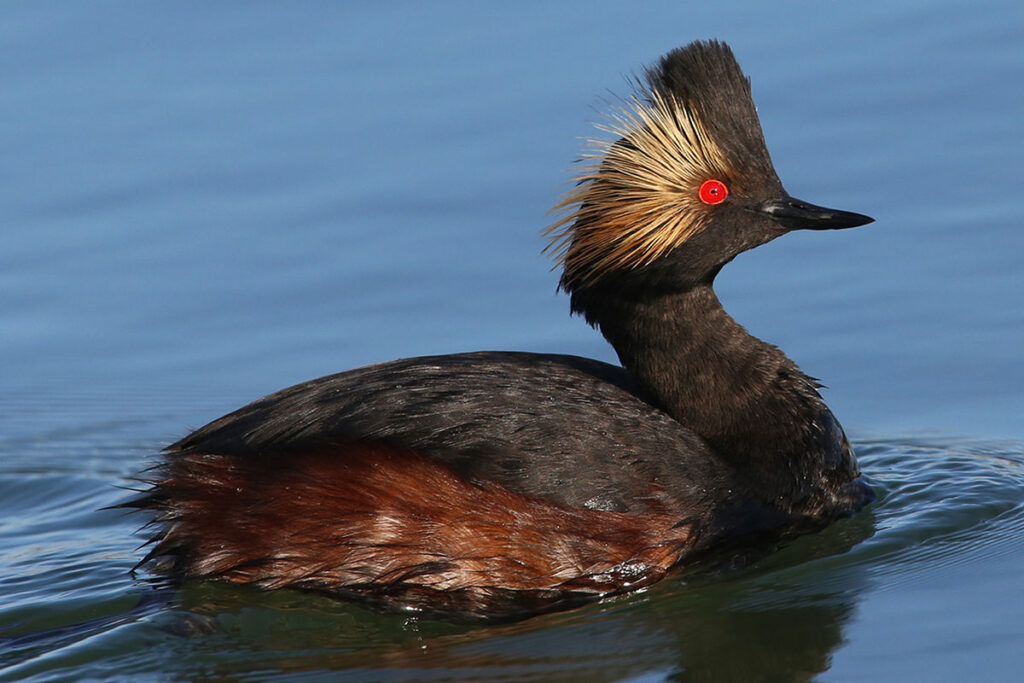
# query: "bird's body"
{"points": [[501, 484]]}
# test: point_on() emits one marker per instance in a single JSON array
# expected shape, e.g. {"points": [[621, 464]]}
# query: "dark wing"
{"points": [[568, 430]]}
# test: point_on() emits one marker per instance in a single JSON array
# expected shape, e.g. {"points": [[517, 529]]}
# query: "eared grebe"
{"points": [[500, 485]]}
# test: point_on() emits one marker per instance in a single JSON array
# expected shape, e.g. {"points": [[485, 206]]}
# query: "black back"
{"points": [[568, 430]]}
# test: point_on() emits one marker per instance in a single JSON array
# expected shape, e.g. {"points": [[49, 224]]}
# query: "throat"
{"points": [[744, 397]]}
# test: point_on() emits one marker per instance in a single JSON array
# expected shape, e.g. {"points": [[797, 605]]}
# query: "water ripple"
{"points": [[942, 504]]}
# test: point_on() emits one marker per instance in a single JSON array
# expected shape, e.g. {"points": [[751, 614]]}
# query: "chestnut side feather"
{"points": [[394, 526]]}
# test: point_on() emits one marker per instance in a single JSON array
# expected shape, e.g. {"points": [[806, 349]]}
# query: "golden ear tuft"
{"points": [[637, 197]]}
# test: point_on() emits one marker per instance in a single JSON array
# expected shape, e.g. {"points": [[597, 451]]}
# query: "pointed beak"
{"points": [[794, 214]]}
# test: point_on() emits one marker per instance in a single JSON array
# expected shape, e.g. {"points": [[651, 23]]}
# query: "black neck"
{"points": [[748, 401]]}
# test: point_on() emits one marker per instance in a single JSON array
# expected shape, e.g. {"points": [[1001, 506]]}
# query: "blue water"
{"points": [[200, 204]]}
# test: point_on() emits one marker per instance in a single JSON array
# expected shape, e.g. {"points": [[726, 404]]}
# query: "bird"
{"points": [[501, 485]]}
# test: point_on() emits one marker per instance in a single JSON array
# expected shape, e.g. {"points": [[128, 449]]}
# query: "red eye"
{"points": [[713, 192]]}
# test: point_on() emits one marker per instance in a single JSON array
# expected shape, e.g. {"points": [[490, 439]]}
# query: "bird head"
{"points": [[683, 186]]}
